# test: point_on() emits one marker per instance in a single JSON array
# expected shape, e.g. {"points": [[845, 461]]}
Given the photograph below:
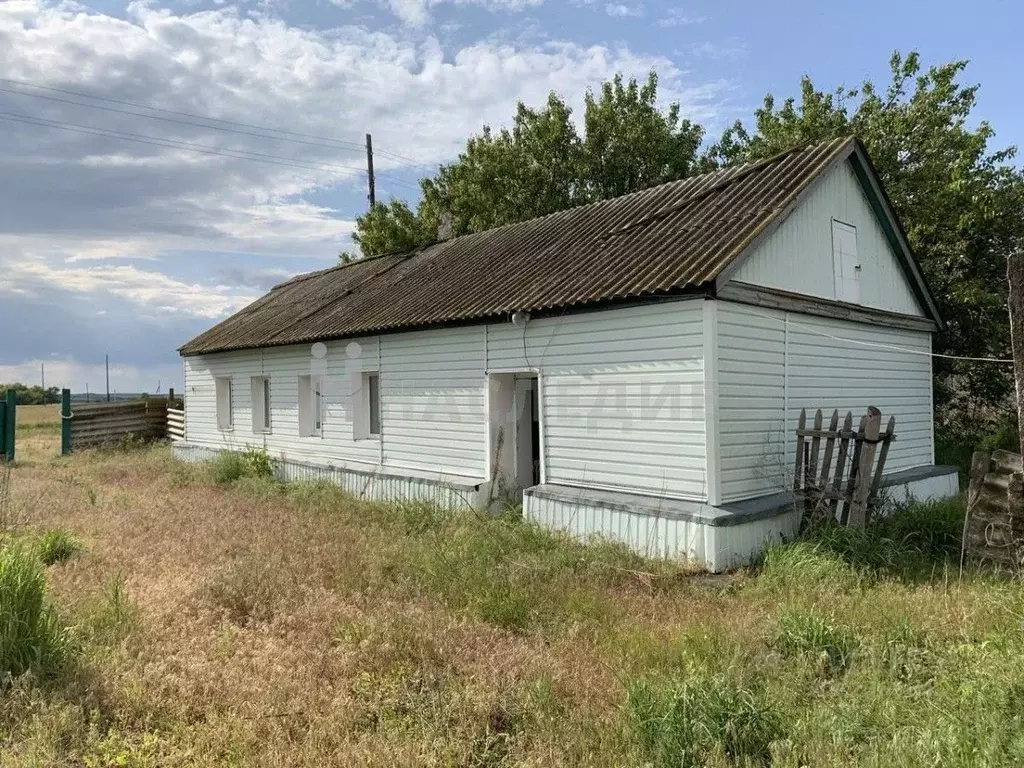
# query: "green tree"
{"points": [[541, 165], [961, 203], [33, 394]]}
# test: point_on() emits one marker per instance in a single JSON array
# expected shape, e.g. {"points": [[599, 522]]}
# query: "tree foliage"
{"points": [[26, 394], [541, 165], [961, 202]]}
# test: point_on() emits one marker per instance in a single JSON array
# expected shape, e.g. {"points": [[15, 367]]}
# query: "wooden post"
{"points": [[10, 425], [862, 486], [1015, 276], [65, 422]]}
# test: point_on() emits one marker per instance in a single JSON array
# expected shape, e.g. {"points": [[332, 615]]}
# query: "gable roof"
{"points": [[676, 238]]}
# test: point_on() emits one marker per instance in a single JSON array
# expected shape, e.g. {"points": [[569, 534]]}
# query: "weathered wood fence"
{"points": [[994, 527], [828, 489], [87, 425]]}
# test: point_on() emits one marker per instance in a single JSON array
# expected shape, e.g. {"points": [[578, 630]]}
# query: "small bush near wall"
{"points": [[229, 466]]}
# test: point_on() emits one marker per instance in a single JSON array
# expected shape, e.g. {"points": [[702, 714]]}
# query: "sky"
{"points": [[141, 201]]}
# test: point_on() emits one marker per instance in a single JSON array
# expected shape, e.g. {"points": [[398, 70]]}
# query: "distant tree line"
{"points": [[31, 394]]}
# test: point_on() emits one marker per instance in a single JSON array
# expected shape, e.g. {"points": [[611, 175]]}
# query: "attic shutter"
{"points": [[845, 262]]}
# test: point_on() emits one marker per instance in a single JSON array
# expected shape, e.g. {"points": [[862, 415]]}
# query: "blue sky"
{"points": [[109, 245]]}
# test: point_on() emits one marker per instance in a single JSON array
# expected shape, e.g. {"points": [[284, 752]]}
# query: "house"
{"points": [[634, 367]]}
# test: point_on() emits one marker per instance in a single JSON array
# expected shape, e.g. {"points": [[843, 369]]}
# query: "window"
{"points": [[224, 415], [311, 406], [373, 401], [846, 265], [367, 407], [260, 404]]}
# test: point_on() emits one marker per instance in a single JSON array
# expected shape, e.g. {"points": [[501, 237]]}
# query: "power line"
{"points": [[236, 154], [301, 138]]}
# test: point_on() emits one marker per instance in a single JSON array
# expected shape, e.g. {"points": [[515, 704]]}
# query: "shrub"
{"points": [[30, 635], [684, 724], [807, 634], [57, 546], [229, 466]]}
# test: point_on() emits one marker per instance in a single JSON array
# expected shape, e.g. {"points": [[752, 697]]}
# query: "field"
{"points": [[45, 418], [219, 618]]}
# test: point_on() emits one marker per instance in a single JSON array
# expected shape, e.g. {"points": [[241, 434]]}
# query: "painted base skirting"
{"points": [[717, 538], [368, 484]]}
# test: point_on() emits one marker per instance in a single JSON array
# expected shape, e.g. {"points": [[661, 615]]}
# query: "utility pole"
{"points": [[372, 196], [42, 375], [87, 391], [1015, 276], [106, 367]]}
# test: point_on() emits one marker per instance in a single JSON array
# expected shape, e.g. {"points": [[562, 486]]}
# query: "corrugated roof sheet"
{"points": [[658, 241]]}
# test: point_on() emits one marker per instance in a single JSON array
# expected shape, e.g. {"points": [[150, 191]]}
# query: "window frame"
{"points": [[312, 405], [223, 385], [366, 417], [260, 391]]}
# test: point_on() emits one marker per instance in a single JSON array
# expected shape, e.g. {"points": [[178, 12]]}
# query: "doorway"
{"points": [[514, 434]]}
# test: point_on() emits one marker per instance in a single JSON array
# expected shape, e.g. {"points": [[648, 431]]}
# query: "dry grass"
{"points": [[32, 418], [251, 624]]}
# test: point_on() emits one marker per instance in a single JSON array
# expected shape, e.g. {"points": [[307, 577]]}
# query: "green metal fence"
{"points": [[8, 418]]}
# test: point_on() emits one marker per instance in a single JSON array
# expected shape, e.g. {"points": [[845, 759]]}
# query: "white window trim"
{"points": [[361, 403], [261, 405], [311, 406], [227, 425]]}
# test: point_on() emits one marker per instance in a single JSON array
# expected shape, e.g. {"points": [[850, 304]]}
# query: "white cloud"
{"points": [[85, 204], [621, 10], [417, 12], [676, 17], [152, 290]]}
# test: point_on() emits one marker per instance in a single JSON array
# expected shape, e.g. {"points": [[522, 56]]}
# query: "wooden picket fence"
{"points": [[840, 489]]}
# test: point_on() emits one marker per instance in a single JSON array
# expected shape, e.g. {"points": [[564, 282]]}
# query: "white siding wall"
{"points": [[773, 363], [432, 401], [283, 365], [751, 391], [798, 255], [622, 394]]}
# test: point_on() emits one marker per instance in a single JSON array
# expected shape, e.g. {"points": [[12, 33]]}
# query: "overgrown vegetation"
{"points": [[31, 637], [230, 466], [258, 623], [56, 546]]}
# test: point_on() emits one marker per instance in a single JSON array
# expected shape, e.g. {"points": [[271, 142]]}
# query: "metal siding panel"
{"points": [[623, 396], [799, 255], [827, 369], [433, 403]]}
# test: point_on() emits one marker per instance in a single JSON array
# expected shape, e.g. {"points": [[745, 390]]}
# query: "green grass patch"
{"points": [[230, 466], [689, 723], [830, 645], [31, 637], [57, 546]]}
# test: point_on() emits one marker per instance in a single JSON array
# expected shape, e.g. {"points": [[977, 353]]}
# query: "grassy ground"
{"points": [[38, 418], [246, 623]]}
